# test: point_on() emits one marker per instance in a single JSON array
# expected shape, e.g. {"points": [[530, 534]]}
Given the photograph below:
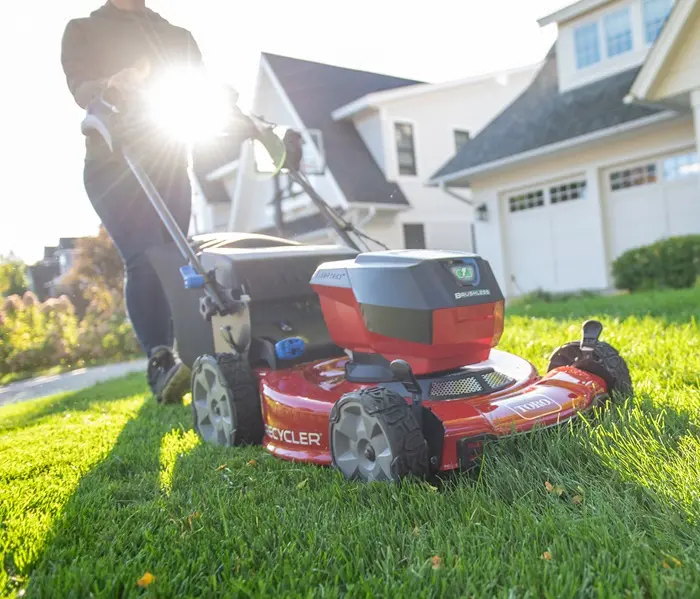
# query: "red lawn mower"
{"points": [[379, 363]]}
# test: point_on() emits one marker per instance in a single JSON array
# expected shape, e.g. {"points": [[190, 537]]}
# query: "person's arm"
{"points": [[79, 66]]}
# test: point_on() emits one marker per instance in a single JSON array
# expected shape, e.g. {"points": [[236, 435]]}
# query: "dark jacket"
{"points": [[109, 40]]}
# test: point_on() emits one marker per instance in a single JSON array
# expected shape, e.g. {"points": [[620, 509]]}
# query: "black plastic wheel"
{"points": [[225, 401], [374, 436], [605, 362]]}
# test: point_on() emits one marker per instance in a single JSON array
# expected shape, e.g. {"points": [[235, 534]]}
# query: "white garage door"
{"points": [[548, 233], [652, 200]]}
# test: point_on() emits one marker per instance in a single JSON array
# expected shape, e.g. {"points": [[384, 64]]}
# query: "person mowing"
{"points": [[121, 46]]}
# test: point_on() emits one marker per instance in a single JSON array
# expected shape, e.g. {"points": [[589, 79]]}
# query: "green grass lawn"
{"points": [[99, 487]]}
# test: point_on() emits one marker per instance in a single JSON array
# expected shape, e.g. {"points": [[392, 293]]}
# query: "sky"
{"points": [[43, 197]]}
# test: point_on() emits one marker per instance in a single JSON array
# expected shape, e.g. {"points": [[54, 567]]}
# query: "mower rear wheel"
{"points": [[374, 436], [225, 401], [605, 356]]}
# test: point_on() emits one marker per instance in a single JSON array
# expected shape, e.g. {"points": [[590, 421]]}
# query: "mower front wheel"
{"points": [[606, 361], [225, 401], [374, 436]]}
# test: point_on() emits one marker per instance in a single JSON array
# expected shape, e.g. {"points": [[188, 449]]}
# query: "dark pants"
{"points": [[134, 227]]}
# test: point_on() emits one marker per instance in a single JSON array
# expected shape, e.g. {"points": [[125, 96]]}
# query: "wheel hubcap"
{"points": [[360, 446], [212, 404]]}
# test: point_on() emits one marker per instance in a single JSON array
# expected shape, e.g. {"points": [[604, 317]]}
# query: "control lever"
{"points": [[590, 332], [403, 373]]}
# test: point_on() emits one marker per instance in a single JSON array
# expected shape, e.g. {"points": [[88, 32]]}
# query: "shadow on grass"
{"points": [[111, 511], [31, 412]]}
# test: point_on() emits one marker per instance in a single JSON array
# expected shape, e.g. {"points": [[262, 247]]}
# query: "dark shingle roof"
{"points": [[541, 116], [316, 90]]}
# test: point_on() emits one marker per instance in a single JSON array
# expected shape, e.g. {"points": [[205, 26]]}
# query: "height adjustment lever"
{"points": [[403, 373], [590, 332]]}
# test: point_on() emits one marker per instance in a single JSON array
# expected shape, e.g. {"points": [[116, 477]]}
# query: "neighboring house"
{"points": [[381, 138], [46, 276], [598, 155]]}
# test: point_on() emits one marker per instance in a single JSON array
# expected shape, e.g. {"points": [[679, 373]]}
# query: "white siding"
{"points": [[435, 117], [369, 126]]}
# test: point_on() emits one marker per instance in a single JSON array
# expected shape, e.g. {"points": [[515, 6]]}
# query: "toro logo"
{"points": [[534, 406], [292, 437]]}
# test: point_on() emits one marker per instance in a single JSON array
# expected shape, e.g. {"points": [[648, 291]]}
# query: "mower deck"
{"points": [[297, 403]]}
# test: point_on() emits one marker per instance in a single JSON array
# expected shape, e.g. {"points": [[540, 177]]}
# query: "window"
{"points": [[414, 237], [587, 46], [655, 14], [618, 32], [404, 148], [525, 201], [461, 137], [632, 177], [567, 192], [684, 165]]}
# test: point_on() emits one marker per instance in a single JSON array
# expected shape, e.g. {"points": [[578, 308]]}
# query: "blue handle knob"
{"points": [[290, 348], [191, 278]]}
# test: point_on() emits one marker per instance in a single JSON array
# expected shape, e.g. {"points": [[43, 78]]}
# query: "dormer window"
{"points": [[655, 15], [618, 32], [587, 45]]}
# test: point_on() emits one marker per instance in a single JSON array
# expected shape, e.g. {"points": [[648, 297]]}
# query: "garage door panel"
{"points": [[637, 217], [529, 241], [682, 199]]}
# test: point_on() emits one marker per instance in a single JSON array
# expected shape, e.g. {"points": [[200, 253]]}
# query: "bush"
{"points": [[35, 336], [13, 276], [670, 263]]}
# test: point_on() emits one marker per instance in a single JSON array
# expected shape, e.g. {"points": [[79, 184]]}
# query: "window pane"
{"points": [[632, 177], [404, 148], [618, 32], [587, 48], [681, 166], [565, 193], [655, 13], [461, 137]]}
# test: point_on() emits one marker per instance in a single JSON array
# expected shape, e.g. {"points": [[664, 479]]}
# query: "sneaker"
{"points": [[168, 377]]}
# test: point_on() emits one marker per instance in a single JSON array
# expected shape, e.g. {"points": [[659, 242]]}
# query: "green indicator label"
{"points": [[463, 273]]}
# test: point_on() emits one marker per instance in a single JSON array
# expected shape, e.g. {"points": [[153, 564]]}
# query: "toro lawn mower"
{"points": [[380, 363]]}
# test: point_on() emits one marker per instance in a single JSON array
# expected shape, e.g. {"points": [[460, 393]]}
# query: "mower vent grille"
{"points": [[454, 388], [497, 379]]}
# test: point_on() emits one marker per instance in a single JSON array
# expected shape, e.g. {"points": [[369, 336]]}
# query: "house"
{"points": [[46, 275], [598, 155], [371, 141]]}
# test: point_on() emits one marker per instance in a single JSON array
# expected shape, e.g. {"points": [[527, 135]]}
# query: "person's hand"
{"points": [[129, 78]]}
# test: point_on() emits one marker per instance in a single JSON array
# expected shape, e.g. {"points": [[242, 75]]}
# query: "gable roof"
{"points": [[542, 118], [316, 90], [572, 11], [680, 17]]}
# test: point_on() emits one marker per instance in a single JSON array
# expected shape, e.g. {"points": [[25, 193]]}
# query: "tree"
{"points": [[13, 276], [97, 269]]}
